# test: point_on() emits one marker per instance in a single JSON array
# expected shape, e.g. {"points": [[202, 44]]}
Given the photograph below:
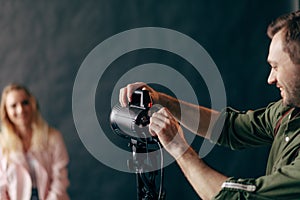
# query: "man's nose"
{"points": [[272, 77]]}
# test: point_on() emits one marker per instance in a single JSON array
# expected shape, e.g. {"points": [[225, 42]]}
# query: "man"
{"points": [[278, 125]]}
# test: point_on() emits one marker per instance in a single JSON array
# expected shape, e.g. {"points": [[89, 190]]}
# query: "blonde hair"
{"points": [[10, 142]]}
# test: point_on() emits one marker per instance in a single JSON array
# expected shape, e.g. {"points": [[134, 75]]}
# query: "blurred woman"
{"points": [[33, 156]]}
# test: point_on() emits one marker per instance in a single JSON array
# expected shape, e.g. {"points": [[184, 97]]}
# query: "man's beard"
{"points": [[293, 97]]}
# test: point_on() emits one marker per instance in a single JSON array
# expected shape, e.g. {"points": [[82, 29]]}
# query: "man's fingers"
{"points": [[163, 114], [123, 97], [154, 129], [125, 93]]}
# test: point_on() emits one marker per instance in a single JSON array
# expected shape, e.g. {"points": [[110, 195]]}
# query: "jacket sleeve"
{"points": [[282, 184], [254, 128], [247, 129], [60, 160]]}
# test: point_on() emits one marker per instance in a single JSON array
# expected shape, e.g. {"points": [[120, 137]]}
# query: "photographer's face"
{"points": [[18, 108], [284, 73]]}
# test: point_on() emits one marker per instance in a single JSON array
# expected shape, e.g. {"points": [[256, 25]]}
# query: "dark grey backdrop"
{"points": [[43, 43]]}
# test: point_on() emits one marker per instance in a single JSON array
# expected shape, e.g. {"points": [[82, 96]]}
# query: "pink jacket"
{"points": [[51, 173]]}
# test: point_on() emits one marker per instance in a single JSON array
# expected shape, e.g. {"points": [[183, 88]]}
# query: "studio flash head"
{"points": [[132, 122]]}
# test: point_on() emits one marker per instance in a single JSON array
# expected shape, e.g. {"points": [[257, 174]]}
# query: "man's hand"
{"points": [[126, 93], [167, 129]]}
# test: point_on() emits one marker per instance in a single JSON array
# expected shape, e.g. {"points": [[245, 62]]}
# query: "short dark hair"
{"points": [[290, 25]]}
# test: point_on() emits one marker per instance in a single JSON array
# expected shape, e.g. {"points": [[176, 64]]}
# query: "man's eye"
{"points": [[274, 67]]}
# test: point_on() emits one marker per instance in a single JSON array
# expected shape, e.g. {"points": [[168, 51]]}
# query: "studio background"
{"points": [[43, 43]]}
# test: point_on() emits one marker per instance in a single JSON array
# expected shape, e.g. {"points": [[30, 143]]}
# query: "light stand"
{"points": [[142, 164]]}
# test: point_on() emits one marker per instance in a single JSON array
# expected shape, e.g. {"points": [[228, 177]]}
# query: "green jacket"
{"points": [[275, 125]]}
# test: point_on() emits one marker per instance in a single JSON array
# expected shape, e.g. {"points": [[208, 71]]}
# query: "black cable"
{"points": [[161, 194]]}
